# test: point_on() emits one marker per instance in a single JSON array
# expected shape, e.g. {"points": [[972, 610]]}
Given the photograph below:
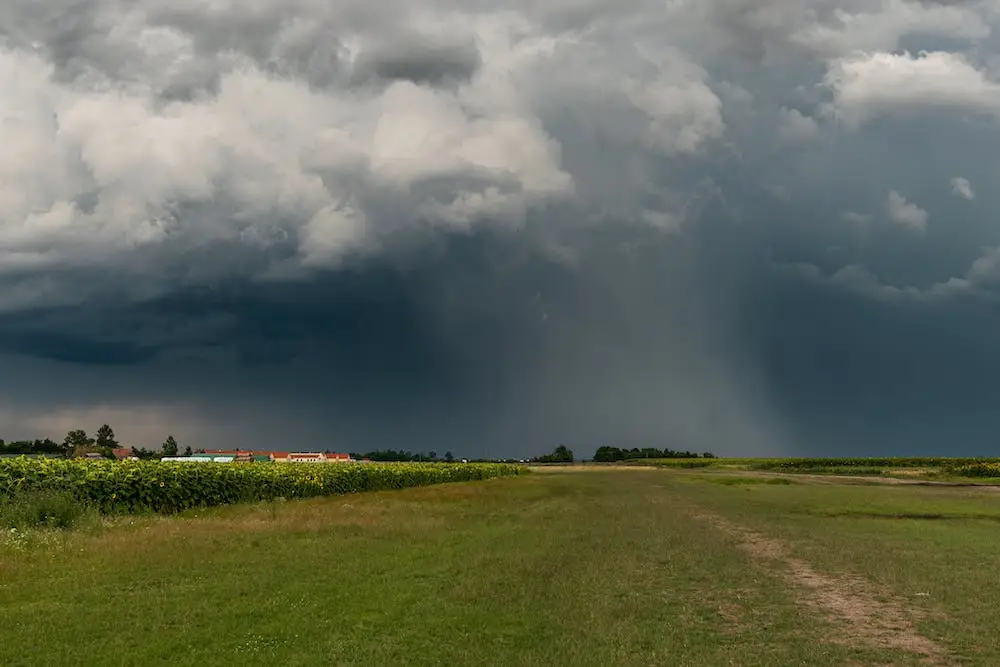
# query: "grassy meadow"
{"points": [[566, 566]]}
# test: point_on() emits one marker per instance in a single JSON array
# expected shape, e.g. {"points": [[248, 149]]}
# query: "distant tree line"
{"points": [[78, 443], [393, 455], [560, 454], [608, 454], [47, 447]]}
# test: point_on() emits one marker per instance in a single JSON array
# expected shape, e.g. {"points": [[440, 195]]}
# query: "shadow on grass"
{"points": [[746, 481]]}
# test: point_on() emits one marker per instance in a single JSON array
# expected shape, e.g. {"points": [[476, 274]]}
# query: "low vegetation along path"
{"points": [[561, 567]]}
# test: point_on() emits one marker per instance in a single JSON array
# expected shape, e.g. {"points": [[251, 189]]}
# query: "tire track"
{"points": [[847, 602]]}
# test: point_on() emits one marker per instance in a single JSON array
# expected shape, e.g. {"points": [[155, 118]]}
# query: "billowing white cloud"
{"points": [[797, 127], [158, 130], [684, 113], [960, 187], [267, 146], [782, 32], [978, 280], [146, 135], [852, 27], [857, 279], [153, 132], [906, 214], [872, 84], [855, 218]]}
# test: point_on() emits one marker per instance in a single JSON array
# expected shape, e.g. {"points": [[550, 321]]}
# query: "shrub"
{"points": [[42, 508], [976, 470]]}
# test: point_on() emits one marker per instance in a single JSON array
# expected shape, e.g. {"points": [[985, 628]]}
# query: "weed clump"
{"points": [[43, 508]]}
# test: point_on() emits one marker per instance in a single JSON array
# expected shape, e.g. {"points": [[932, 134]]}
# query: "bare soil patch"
{"points": [[845, 601]]}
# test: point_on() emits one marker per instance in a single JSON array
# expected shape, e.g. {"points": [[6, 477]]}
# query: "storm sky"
{"points": [[756, 227]]}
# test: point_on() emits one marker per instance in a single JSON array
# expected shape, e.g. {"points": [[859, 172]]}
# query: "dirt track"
{"points": [[845, 601]]}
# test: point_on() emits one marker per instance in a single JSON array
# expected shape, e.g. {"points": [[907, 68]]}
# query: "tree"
{"points": [[77, 442], [143, 454], [449, 457], [563, 453], [78, 438], [609, 454], [170, 446], [560, 454], [106, 437], [187, 451], [432, 455]]}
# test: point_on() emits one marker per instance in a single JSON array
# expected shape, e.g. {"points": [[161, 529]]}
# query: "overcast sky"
{"points": [[747, 226]]}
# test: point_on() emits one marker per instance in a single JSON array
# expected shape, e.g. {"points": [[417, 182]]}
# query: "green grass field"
{"points": [[603, 566]]}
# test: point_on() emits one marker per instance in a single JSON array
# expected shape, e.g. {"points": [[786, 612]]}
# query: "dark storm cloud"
{"points": [[746, 227], [69, 347], [419, 60], [485, 344], [861, 377]]}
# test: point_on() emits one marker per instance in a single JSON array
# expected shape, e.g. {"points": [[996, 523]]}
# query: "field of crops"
{"points": [[136, 486], [977, 469], [884, 462], [933, 466]]}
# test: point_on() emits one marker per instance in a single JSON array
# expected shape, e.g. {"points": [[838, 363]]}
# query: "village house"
{"points": [[263, 456]]}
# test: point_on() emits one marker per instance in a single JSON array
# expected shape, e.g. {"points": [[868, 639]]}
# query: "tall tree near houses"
{"points": [[106, 440], [77, 442], [170, 446], [106, 437]]}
